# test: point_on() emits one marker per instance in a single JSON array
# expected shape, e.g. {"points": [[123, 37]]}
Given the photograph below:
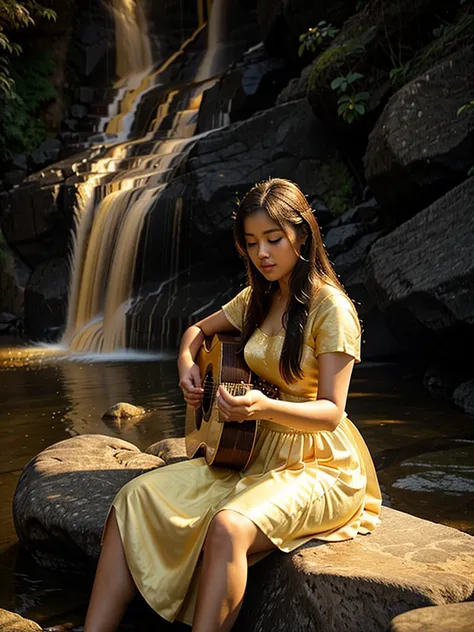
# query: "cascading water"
{"points": [[132, 43], [118, 191]]}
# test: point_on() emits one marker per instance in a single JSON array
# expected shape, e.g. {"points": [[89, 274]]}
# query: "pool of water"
{"points": [[423, 449]]}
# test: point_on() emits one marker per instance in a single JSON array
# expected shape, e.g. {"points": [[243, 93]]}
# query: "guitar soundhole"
{"points": [[208, 386]]}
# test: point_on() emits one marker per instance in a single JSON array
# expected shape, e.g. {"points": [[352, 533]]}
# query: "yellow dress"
{"points": [[297, 486]]}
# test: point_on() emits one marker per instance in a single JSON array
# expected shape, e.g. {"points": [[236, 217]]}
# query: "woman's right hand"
{"points": [[190, 384]]}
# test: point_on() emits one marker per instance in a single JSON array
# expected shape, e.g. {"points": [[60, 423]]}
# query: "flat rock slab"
{"points": [[12, 622], [406, 563], [458, 617], [64, 494]]}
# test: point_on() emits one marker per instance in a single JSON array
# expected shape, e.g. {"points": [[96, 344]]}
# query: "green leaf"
{"points": [[353, 76], [359, 108], [344, 99], [301, 50], [337, 82], [342, 108], [351, 115], [362, 96]]}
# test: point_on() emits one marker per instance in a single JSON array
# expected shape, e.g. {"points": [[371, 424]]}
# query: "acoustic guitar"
{"points": [[230, 443]]}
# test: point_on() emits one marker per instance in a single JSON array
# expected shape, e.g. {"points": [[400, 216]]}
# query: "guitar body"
{"points": [[227, 444]]}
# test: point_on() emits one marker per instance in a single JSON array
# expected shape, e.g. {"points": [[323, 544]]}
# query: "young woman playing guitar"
{"points": [[184, 534]]}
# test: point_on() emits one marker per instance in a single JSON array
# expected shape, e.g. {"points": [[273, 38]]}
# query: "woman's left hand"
{"points": [[241, 407]]}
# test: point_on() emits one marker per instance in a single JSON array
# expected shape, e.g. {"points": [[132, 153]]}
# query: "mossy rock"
{"points": [[452, 38], [337, 185], [370, 43]]}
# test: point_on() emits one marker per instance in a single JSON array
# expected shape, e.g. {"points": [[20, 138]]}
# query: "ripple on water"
{"points": [[437, 485]]}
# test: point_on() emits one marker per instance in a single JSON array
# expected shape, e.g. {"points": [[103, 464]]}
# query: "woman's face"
{"points": [[268, 247]]}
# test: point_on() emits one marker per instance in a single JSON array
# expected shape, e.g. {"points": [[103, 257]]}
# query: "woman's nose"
{"points": [[262, 251]]}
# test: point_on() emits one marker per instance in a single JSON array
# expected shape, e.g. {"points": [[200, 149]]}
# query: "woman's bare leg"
{"points": [[231, 537], [113, 587]]}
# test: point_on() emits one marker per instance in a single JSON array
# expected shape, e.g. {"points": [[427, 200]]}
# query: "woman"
{"points": [[185, 534]]}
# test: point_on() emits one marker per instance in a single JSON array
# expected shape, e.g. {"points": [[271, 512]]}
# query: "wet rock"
{"points": [[35, 222], [286, 141], [360, 584], [420, 147], [78, 111], [341, 238], [12, 622], [46, 296], [367, 212], [14, 178], [157, 320], [441, 380], [123, 410], [251, 85], [458, 617], [20, 162], [14, 275], [170, 450], [46, 153], [63, 496], [464, 396], [422, 274]]}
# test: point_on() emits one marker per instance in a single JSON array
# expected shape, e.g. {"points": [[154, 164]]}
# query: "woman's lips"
{"points": [[267, 267]]}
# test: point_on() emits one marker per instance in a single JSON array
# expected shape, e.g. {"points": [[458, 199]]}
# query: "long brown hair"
{"points": [[285, 204]]}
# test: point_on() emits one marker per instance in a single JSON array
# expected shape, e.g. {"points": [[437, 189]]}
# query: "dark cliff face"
{"points": [[260, 119]]}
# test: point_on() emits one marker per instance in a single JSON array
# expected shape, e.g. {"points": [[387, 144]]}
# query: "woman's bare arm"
{"points": [[325, 413]]}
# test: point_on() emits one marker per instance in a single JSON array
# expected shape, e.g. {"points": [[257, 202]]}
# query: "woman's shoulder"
{"points": [[327, 295]]}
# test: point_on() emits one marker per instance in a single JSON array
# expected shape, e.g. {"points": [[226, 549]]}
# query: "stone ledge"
{"points": [[352, 586], [457, 617], [406, 563]]}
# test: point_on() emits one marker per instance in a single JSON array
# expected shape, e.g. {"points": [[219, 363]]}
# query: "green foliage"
{"points": [[351, 104], [337, 185], [20, 128], [398, 75], [449, 38], [14, 15], [314, 37], [467, 106]]}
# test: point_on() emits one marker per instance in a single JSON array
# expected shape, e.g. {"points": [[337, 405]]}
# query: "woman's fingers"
{"points": [[231, 408]]}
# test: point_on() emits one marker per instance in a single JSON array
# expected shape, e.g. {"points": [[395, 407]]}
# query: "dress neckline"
{"points": [[271, 335]]}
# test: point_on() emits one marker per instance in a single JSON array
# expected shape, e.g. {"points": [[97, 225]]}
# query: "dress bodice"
{"points": [[332, 326]]}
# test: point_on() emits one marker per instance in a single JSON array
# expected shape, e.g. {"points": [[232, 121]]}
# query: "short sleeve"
{"points": [[235, 310], [336, 327]]}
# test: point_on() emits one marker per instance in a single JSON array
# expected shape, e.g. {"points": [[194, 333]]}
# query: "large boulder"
{"points": [[63, 496], [422, 275], [420, 147], [362, 584]]}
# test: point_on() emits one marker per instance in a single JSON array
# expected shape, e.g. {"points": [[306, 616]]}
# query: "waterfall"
{"points": [[132, 44], [214, 60], [118, 191]]}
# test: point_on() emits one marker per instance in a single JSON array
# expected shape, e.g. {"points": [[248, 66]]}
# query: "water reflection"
{"points": [[423, 450]]}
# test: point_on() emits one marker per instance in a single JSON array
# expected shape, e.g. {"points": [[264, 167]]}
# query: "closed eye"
{"points": [[274, 241]]}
